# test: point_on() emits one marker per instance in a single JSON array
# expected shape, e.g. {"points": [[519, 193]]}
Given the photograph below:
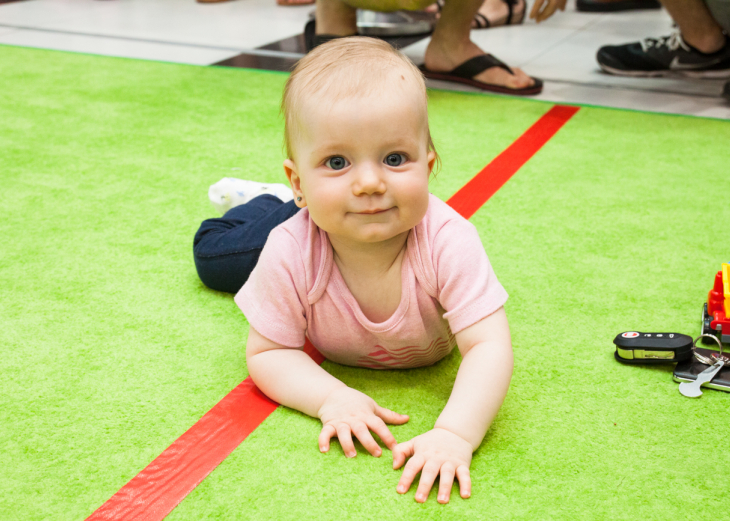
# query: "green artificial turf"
{"points": [[112, 348]]}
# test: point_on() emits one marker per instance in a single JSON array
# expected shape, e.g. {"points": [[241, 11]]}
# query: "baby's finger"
{"points": [[378, 426], [325, 436], [462, 474], [362, 432], [428, 476], [343, 434], [401, 452], [413, 467], [445, 481], [390, 416]]}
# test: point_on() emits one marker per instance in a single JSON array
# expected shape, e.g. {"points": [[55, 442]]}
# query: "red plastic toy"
{"points": [[716, 311]]}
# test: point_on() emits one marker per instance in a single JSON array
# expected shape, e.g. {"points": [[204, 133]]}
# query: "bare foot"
{"points": [[439, 59]]}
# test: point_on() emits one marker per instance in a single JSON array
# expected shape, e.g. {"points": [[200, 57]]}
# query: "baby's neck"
{"points": [[370, 258]]}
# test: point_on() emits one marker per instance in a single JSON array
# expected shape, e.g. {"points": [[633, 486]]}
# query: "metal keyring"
{"points": [[702, 358]]}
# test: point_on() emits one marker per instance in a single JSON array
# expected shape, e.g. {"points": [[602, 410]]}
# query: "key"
{"points": [[692, 389], [634, 347]]}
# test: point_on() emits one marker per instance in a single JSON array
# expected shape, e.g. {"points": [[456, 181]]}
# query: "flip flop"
{"points": [[482, 22], [465, 73]]}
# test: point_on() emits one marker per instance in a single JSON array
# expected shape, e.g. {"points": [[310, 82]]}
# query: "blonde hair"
{"points": [[345, 67]]}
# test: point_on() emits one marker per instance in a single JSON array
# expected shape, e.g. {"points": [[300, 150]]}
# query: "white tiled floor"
{"points": [[561, 50]]}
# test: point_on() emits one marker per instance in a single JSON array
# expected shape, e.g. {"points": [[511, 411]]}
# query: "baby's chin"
{"points": [[369, 235]]}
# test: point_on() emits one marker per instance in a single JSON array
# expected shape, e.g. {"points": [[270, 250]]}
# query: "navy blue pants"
{"points": [[227, 249]]}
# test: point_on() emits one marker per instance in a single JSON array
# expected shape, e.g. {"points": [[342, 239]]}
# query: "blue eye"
{"points": [[395, 159], [336, 163]]}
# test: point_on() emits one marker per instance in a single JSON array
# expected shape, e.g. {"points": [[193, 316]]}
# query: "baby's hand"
{"points": [[435, 452], [346, 412]]}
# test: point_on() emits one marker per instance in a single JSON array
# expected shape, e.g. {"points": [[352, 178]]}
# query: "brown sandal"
{"points": [[465, 73]]}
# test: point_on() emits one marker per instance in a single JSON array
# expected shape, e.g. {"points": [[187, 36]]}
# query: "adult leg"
{"points": [[697, 49], [450, 44], [698, 27], [227, 249]]}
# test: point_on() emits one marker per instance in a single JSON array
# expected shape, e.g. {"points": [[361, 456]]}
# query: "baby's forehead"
{"points": [[392, 86]]}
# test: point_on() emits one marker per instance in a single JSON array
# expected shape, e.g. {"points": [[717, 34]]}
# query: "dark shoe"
{"points": [[312, 39], [665, 56], [465, 73], [610, 6]]}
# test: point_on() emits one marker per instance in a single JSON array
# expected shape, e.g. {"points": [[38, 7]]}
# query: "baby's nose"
{"points": [[369, 180]]}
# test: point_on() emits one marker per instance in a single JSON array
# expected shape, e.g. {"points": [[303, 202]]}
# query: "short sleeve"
{"points": [[467, 287], [274, 298]]}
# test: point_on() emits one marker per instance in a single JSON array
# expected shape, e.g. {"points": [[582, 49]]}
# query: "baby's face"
{"points": [[362, 164]]}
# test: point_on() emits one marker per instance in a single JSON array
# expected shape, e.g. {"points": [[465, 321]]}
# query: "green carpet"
{"points": [[112, 348]]}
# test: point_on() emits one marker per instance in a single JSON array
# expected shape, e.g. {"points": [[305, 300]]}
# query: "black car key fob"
{"points": [[634, 347]]}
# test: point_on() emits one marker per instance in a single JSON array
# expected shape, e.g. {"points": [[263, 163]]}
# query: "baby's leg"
{"points": [[227, 249]]}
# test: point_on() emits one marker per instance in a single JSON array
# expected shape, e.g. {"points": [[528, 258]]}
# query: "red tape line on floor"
{"points": [[164, 483], [161, 485], [485, 184]]}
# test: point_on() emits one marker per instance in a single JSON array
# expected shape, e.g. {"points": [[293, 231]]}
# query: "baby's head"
{"points": [[347, 68], [357, 138]]}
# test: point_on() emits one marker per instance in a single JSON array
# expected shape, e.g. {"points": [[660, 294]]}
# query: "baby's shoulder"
{"points": [[441, 218], [299, 247]]}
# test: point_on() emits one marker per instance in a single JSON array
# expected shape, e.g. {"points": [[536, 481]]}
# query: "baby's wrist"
{"points": [[470, 440], [337, 386]]}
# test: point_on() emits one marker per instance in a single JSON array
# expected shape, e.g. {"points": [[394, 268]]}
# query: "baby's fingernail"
{"points": [[401, 489], [378, 453], [442, 498], [322, 449], [467, 495], [352, 454], [419, 497]]}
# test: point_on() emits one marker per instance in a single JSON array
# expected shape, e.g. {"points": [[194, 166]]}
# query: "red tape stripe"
{"points": [[485, 184], [159, 487]]}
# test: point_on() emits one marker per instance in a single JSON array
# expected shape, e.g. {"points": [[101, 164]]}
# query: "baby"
{"points": [[374, 270]]}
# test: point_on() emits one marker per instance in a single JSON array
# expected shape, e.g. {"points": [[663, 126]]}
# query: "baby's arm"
{"points": [[480, 388], [290, 377]]}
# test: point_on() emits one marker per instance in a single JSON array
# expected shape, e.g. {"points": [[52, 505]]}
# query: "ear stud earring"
{"points": [[299, 198]]}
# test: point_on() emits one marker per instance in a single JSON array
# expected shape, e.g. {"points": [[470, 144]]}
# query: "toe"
{"points": [[497, 76], [521, 79]]}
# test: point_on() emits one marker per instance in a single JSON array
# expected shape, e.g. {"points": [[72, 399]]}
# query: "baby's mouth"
{"points": [[373, 211]]}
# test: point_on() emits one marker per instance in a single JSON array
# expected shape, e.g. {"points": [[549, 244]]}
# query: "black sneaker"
{"points": [[665, 56]]}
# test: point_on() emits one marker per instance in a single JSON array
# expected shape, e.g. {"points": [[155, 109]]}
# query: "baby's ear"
{"points": [[431, 160], [290, 168]]}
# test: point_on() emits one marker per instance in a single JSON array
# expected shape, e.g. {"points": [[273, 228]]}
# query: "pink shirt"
{"points": [[448, 284]]}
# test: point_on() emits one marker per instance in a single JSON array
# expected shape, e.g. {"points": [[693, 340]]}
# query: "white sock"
{"points": [[230, 192]]}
